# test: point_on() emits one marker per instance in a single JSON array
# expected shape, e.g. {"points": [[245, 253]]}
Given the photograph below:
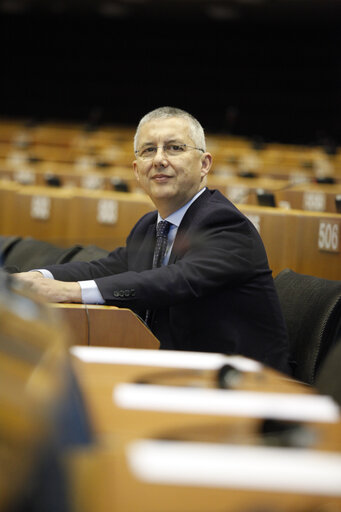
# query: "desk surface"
{"points": [[161, 442], [105, 326]]}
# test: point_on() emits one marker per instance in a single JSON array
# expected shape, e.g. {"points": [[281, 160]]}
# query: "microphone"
{"points": [[228, 377]]}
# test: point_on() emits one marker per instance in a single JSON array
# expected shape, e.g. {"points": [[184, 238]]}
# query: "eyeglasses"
{"points": [[149, 152]]}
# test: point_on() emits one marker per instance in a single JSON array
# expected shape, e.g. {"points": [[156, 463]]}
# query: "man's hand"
{"points": [[29, 276], [50, 289]]}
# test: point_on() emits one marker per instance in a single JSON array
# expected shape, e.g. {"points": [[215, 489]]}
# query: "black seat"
{"points": [[6, 245], [89, 253], [29, 253], [23, 254], [328, 379], [312, 311]]}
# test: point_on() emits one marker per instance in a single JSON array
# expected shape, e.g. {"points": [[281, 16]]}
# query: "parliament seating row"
{"points": [[309, 195], [86, 175], [306, 242], [170, 436], [70, 216], [292, 192], [112, 152], [82, 174], [113, 145]]}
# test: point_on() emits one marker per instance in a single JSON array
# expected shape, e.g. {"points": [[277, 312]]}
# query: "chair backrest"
{"points": [[6, 245], [328, 379], [89, 253], [312, 311], [23, 254], [29, 253]]}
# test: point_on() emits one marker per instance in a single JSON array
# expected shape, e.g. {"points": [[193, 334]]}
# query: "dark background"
{"points": [[259, 71]]}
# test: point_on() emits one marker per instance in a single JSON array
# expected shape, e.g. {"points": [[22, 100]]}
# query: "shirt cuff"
{"points": [[46, 273], [90, 292]]}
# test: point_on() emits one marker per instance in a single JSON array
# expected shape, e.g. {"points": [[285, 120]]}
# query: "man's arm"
{"points": [[50, 289], [74, 281]]}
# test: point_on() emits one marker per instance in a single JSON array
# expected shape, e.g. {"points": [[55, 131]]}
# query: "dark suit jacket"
{"points": [[216, 294]]}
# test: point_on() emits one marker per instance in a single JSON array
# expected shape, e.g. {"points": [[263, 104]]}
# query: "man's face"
{"points": [[170, 180]]}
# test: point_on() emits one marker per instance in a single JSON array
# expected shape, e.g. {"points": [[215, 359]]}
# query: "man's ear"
{"points": [[136, 172], [206, 163]]}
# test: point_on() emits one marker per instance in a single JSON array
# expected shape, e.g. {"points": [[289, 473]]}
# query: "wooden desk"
{"points": [[101, 371], [197, 477], [72, 174], [311, 197], [8, 213], [105, 218], [108, 478], [306, 242], [244, 190], [43, 213], [93, 177], [66, 216], [105, 326]]}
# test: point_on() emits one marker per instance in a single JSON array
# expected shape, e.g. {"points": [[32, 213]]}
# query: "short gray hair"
{"points": [[196, 130]]}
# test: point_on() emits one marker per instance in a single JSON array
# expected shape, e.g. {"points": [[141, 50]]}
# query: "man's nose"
{"points": [[160, 157]]}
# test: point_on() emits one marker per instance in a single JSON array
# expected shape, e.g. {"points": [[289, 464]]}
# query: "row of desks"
{"points": [[306, 242], [70, 216], [193, 432], [287, 193], [307, 196], [68, 142], [170, 439], [180, 431]]}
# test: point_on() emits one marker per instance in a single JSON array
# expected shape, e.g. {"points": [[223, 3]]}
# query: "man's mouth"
{"points": [[161, 177]]}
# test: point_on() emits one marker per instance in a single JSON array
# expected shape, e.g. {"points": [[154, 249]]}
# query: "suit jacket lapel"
{"points": [[148, 248], [182, 239], [142, 252]]}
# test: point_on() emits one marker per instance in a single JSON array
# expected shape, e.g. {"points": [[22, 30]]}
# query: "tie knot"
{"points": [[162, 228]]}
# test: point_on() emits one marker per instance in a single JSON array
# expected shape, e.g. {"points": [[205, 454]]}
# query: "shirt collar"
{"points": [[175, 218]]}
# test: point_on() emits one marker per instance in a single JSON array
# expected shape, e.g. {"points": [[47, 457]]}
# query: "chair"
{"points": [[6, 245], [312, 311], [29, 253], [23, 254], [328, 379], [89, 253]]}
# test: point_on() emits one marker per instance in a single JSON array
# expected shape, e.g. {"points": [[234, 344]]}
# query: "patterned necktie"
{"points": [[162, 230]]}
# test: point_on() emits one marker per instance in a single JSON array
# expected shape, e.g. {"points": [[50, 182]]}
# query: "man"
{"points": [[214, 290]]}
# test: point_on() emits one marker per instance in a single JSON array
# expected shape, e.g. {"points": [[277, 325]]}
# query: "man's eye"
{"points": [[176, 148], [148, 151]]}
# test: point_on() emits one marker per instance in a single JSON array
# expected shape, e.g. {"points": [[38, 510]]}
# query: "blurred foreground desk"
{"points": [[105, 326], [195, 432]]}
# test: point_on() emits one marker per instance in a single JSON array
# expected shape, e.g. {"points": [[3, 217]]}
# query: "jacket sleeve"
{"points": [[114, 263], [224, 252]]}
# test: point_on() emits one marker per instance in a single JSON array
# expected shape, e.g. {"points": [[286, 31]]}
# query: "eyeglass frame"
{"points": [[137, 151]]}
